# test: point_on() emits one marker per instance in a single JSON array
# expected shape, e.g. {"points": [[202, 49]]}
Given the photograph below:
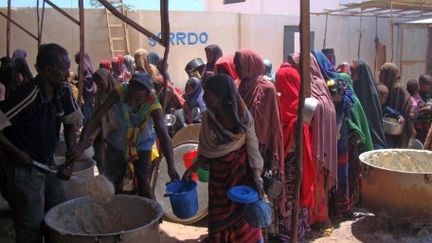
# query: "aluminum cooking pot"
{"points": [[399, 195]]}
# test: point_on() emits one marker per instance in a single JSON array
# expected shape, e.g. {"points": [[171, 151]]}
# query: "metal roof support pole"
{"points": [[304, 91], [325, 32], [360, 34], [41, 24], [165, 33], [376, 46], [82, 42], [392, 30], [8, 29]]}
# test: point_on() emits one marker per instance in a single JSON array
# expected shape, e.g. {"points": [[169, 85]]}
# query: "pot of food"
{"points": [[397, 184], [122, 218], [392, 126]]}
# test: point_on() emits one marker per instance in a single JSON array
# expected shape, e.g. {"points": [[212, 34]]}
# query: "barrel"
{"points": [[183, 198], [399, 188], [125, 218]]}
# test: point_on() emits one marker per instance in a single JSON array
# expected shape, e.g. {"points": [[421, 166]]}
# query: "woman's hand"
{"points": [[401, 120], [172, 172], [187, 176], [259, 186]]}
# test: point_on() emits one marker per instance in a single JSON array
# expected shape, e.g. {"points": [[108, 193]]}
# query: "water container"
{"points": [[203, 174], [183, 198], [188, 158]]}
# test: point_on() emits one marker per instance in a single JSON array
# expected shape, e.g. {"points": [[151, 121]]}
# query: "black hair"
{"points": [[49, 54], [425, 79], [412, 86]]}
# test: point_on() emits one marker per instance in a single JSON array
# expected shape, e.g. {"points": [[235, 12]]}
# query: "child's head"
{"points": [[425, 83], [383, 93], [412, 87]]}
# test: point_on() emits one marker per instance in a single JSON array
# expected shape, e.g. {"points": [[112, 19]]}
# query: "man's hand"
{"points": [[74, 153], [22, 158]]}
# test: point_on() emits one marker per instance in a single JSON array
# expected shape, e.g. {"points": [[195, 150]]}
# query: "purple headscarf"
{"points": [[88, 68], [195, 98]]}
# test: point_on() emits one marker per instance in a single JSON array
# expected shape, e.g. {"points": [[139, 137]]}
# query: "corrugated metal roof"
{"points": [[384, 9]]}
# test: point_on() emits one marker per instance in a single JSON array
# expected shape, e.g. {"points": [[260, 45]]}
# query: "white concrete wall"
{"points": [[231, 31]]}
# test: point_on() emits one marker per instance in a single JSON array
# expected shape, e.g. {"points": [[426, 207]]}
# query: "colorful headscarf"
{"points": [[288, 85], [357, 121]]}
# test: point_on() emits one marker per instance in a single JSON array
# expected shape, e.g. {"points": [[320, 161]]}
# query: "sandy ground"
{"points": [[365, 228]]}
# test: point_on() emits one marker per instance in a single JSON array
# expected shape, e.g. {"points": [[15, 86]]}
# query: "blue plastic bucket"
{"points": [[183, 198]]}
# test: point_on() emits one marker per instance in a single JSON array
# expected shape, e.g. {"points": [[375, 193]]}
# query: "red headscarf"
{"points": [[288, 85], [225, 65]]}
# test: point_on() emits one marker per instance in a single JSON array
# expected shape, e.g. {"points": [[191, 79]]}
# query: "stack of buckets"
{"points": [[183, 194]]}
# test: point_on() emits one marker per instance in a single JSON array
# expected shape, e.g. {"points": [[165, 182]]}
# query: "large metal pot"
{"points": [[135, 219], [394, 193]]}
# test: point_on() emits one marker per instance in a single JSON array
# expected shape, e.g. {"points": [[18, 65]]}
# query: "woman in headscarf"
{"points": [[324, 144], [288, 86], [142, 64], [174, 98], [398, 99], [194, 104], [129, 63], [119, 70], [213, 53], [106, 84], [260, 97], [360, 140], [364, 88], [359, 134], [89, 87], [105, 63], [343, 100], [19, 57], [229, 148], [225, 65]]}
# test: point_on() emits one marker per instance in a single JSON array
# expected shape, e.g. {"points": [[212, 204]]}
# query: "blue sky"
{"points": [[193, 5]]}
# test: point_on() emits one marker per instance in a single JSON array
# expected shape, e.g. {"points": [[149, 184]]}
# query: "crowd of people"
{"points": [[248, 116]]}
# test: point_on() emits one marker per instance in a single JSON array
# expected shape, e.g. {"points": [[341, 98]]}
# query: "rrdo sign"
{"points": [[184, 38]]}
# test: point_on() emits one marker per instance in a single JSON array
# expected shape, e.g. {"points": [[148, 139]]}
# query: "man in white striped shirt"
{"points": [[29, 131]]}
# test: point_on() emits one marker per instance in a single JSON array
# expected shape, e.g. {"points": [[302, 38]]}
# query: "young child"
{"points": [[387, 111], [415, 99]]}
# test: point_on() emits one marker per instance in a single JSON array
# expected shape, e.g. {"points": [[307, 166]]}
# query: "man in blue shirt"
{"points": [[29, 131]]}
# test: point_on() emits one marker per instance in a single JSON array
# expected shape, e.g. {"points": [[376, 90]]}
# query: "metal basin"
{"points": [[392, 126], [128, 218], [394, 193]]}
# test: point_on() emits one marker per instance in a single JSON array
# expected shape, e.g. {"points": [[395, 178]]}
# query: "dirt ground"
{"points": [[365, 228]]}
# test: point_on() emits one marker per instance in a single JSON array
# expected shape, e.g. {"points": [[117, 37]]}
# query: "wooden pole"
{"points": [[360, 35], [81, 58], [8, 28], [325, 32], [17, 25], [62, 12], [304, 90], [165, 33]]}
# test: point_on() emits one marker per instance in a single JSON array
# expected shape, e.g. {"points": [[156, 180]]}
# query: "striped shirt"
{"points": [[32, 122]]}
